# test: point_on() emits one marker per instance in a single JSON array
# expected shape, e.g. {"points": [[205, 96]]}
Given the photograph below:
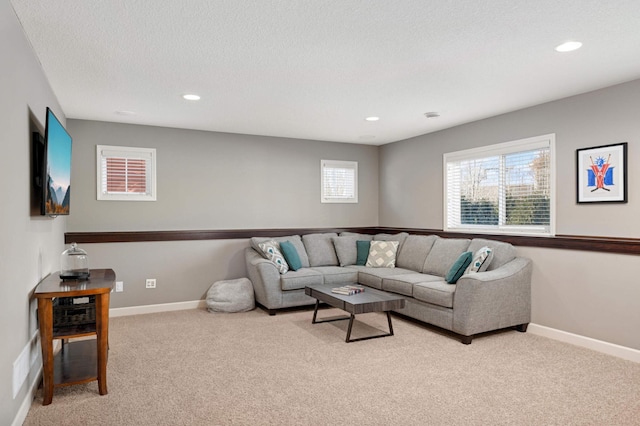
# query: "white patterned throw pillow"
{"points": [[273, 253], [481, 260], [382, 254]]}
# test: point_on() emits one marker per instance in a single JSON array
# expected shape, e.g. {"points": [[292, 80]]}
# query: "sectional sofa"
{"points": [[486, 297]]}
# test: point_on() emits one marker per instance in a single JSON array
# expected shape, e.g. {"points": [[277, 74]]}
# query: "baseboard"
{"points": [[150, 309], [28, 399], [623, 352]]}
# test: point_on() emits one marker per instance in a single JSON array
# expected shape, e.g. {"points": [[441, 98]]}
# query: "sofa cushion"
{"points": [[414, 251], [444, 252], [320, 249], [295, 280], [337, 274], [458, 267], [382, 254], [502, 252], [295, 240], [290, 255], [363, 237], [403, 284], [481, 260], [372, 277], [271, 251], [400, 237], [346, 249], [362, 248], [436, 292]]}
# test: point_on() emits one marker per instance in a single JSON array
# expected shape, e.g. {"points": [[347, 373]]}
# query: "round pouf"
{"points": [[231, 296]]}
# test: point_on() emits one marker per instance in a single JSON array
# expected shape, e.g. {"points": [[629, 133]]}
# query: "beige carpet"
{"points": [[198, 368]]}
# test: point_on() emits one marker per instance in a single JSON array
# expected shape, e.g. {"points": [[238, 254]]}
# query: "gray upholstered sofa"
{"points": [[497, 298]]}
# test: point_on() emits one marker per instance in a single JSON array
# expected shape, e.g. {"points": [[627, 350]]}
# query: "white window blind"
{"points": [[503, 188], [339, 181], [125, 173]]}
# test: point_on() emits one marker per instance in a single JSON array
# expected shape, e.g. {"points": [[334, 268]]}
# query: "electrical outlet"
{"points": [[151, 283], [119, 286]]}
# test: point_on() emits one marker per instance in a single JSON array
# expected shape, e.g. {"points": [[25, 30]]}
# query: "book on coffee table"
{"points": [[348, 290]]}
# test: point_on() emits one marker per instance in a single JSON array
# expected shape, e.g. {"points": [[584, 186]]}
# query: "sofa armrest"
{"points": [[493, 299], [265, 278]]}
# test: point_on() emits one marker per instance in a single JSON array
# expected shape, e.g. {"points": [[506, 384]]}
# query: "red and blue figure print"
{"points": [[600, 174]]}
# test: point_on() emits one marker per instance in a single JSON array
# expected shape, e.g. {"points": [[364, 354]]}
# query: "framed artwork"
{"points": [[602, 174]]}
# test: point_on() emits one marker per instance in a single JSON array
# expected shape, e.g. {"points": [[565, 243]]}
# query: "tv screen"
{"points": [[57, 185]]}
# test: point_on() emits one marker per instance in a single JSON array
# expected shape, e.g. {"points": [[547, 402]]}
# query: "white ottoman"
{"points": [[231, 296]]}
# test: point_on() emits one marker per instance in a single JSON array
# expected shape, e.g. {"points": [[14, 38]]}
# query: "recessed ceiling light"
{"points": [[372, 118], [125, 112], [191, 97], [431, 114], [569, 46]]}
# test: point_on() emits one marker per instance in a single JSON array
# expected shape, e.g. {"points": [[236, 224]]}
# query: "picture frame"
{"points": [[601, 174]]}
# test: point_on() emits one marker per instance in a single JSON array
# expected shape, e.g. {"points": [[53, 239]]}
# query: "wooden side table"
{"points": [[80, 361]]}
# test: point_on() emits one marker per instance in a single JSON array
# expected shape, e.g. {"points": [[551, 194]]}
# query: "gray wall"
{"points": [[411, 173], [30, 246], [210, 181], [594, 295]]}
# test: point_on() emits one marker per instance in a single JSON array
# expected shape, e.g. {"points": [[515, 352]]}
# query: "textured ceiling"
{"points": [[314, 69]]}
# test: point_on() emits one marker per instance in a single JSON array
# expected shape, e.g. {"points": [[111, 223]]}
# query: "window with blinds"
{"points": [[126, 173], [503, 188], [339, 181]]}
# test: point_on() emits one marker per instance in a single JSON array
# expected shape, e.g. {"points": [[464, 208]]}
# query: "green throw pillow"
{"points": [[458, 267], [363, 252], [290, 255]]}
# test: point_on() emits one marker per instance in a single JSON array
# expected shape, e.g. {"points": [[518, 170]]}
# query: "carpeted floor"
{"points": [[198, 368]]}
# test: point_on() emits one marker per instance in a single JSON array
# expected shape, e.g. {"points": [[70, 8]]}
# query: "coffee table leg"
{"points": [[351, 318], [390, 333], [315, 312]]}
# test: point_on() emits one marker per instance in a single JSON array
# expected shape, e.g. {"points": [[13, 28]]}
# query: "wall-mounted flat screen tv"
{"points": [[56, 191]]}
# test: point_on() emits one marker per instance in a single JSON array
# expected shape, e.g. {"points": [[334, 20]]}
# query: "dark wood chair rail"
{"points": [[563, 242]]}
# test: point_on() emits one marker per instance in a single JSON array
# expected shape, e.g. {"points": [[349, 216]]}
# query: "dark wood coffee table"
{"points": [[371, 300]]}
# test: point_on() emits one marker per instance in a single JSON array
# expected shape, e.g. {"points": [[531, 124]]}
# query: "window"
{"points": [[339, 181], [503, 188], [126, 173]]}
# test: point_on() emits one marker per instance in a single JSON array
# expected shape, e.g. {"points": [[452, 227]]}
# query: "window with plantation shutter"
{"points": [[503, 188], [126, 173], [339, 181]]}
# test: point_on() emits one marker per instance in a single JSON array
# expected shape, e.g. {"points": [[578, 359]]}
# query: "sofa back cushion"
{"points": [[392, 237], [320, 249], [346, 247], [295, 240], [443, 254], [502, 252], [414, 251]]}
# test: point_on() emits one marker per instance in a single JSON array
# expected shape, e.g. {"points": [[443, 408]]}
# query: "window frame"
{"points": [[520, 145], [338, 164], [135, 153]]}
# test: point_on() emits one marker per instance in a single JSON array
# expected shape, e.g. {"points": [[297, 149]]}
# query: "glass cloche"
{"points": [[74, 264]]}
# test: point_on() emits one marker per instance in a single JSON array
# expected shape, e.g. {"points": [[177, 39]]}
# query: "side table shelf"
{"points": [[77, 361]]}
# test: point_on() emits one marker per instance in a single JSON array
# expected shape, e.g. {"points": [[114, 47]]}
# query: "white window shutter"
{"points": [[339, 181], [126, 173]]}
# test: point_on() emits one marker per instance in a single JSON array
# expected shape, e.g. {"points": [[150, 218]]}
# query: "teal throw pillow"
{"points": [[458, 267], [290, 255], [362, 248]]}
